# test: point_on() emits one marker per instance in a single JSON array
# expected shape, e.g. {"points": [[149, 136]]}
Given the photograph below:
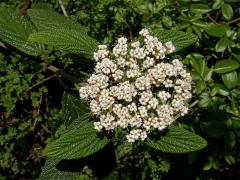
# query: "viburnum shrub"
{"points": [[136, 87], [137, 90]]}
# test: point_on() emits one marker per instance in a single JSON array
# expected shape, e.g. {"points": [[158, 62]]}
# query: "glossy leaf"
{"points": [[217, 30], [200, 67], [222, 44], [180, 39], [200, 8], [227, 11], [219, 89], [230, 80], [200, 87], [178, 140], [217, 4], [225, 66]]}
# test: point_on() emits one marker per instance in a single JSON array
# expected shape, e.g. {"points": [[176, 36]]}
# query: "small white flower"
{"points": [[133, 88]]}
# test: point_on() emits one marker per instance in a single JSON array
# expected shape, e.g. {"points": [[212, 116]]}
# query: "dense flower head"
{"points": [[136, 88]]}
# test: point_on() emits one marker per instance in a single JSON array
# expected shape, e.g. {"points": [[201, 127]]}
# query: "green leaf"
{"points": [[225, 66], [236, 53], [68, 40], [76, 143], [15, 30], [56, 169], [47, 18], [216, 30], [222, 44], [73, 108], [230, 159], [219, 89], [180, 39], [227, 11], [200, 8], [178, 140], [230, 80], [200, 66], [200, 87], [217, 4], [207, 166]]}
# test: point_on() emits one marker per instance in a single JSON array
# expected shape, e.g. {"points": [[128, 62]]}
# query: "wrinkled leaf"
{"points": [[76, 143], [15, 31], [73, 108], [56, 169], [180, 39], [178, 140], [68, 40]]}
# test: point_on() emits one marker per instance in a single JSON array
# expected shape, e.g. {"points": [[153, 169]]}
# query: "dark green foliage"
{"points": [[45, 18], [76, 143], [15, 30], [68, 40], [50, 171], [30, 104], [180, 39], [78, 109], [178, 140]]}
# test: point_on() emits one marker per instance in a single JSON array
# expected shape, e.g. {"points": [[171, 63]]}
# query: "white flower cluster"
{"points": [[135, 88]]}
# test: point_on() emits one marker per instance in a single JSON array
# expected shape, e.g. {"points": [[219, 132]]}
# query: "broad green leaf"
{"points": [[200, 67], [178, 140], [236, 53], [229, 159], [217, 30], [180, 39], [225, 66], [200, 8], [217, 4], [219, 89], [68, 40], [222, 44], [207, 166], [47, 19], [73, 108], [230, 80], [56, 169], [15, 30], [227, 11], [76, 143], [204, 102], [200, 87]]}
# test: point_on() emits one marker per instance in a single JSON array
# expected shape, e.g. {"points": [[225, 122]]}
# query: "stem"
{"points": [[37, 84], [209, 17], [194, 103], [62, 7], [234, 21], [60, 72]]}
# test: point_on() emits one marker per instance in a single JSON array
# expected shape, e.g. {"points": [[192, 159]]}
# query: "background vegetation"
{"points": [[31, 87]]}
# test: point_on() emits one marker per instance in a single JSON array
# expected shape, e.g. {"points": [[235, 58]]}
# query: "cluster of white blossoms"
{"points": [[136, 88]]}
